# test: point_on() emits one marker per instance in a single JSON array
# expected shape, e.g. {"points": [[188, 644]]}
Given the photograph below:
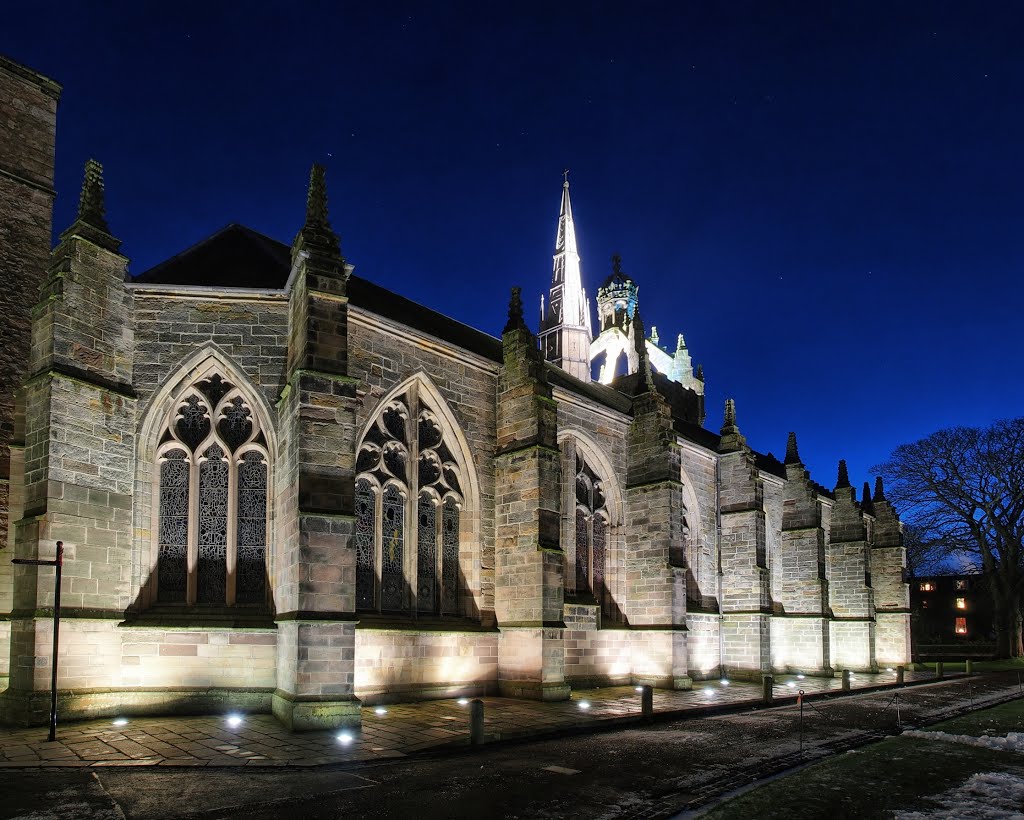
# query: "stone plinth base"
{"points": [[302, 715], [534, 690], [33, 708]]}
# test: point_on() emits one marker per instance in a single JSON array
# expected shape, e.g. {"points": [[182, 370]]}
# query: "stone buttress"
{"points": [[314, 574], [746, 600], [655, 562], [79, 418], [28, 111], [888, 576], [851, 598], [800, 632], [529, 563]]}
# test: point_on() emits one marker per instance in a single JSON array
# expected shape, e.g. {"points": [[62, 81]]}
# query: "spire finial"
{"points": [[91, 209], [865, 502], [844, 477], [316, 232], [565, 177], [879, 490], [700, 372], [730, 415], [616, 265], [515, 311], [680, 343], [792, 454]]}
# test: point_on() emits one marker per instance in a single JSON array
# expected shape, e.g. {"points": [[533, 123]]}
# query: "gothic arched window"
{"points": [[408, 503], [591, 531], [212, 499]]}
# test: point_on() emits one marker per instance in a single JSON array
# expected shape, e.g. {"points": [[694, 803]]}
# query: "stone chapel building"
{"points": [[284, 488]]}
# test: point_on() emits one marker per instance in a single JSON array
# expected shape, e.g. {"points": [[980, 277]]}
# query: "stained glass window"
{"points": [[172, 576], [213, 527], [582, 552], [250, 583], [591, 541], [365, 546], [428, 573], [600, 534], [450, 557], [392, 570], [227, 518], [426, 555]]}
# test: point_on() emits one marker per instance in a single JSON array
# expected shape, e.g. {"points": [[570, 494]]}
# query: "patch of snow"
{"points": [[984, 796], [1013, 742]]}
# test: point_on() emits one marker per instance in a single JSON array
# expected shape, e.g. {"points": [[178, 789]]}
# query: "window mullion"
{"points": [[412, 516]]}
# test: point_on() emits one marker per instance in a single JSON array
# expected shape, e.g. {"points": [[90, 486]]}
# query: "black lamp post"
{"points": [[57, 562]]}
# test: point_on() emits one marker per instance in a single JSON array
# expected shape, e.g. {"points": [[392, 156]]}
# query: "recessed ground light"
{"points": [[724, 681], [584, 704], [888, 669], [463, 701], [234, 721], [639, 689], [120, 721], [345, 738], [791, 685], [709, 691], [800, 677], [380, 710]]}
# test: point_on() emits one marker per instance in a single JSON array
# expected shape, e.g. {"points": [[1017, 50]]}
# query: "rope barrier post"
{"points": [[899, 675], [767, 682], [476, 722], [939, 670], [969, 666], [647, 701], [846, 680], [57, 563]]}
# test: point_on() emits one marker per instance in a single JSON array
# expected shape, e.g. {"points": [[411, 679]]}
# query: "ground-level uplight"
{"points": [[791, 685], [724, 681], [463, 701], [800, 677], [709, 691], [120, 721], [638, 689], [584, 704], [234, 721], [380, 710], [344, 738]]}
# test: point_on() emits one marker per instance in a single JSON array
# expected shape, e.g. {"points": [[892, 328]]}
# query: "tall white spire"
{"points": [[565, 332], [566, 268]]}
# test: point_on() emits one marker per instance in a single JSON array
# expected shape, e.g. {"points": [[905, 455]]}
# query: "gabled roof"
{"points": [[234, 257]]}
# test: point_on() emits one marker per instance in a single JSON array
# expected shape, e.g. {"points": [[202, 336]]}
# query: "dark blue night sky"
{"points": [[825, 198]]}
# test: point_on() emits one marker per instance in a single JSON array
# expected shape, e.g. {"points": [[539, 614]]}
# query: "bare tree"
{"points": [[961, 491]]}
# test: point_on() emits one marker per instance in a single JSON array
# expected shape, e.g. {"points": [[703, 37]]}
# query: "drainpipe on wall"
{"points": [[718, 552]]}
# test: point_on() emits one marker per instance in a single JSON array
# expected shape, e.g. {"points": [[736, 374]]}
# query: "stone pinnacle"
{"points": [[91, 209], [844, 477]]}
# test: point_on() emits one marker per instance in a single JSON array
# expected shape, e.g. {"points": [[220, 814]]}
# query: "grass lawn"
{"points": [[896, 774]]}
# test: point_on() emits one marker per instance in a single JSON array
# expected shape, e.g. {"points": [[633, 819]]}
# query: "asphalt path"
{"points": [[655, 771]]}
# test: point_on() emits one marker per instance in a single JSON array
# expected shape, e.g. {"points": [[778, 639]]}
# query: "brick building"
{"points": [[951, 610], [284, 488]]}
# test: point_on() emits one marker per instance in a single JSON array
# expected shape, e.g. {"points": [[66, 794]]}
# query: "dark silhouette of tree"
{"points": [[961, 493]]}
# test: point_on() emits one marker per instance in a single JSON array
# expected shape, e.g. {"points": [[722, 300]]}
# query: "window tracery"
{"points": [[408, 501], [591, 530], [212, 499]]}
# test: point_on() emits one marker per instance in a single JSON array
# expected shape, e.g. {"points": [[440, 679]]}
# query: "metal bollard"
{"points": [[899, 675], [846, 680], [939, 671], [476, 722], [767, 682], [647, 701], [969, 666]]}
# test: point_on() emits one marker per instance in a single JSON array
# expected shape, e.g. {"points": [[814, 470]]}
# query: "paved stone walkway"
{"points": [[388, 731]]}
